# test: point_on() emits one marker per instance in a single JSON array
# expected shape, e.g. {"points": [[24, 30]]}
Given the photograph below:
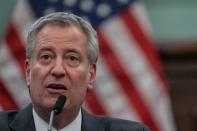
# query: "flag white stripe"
{"points": [[145, 78], [138, 8], [22, 18], [164, 115], [111, 94], [13, 77], [163, 111]]}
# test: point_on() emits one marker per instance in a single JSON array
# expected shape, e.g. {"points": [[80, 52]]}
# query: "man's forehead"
{"points": [[53, 49], [49, 31], [59, 24]]}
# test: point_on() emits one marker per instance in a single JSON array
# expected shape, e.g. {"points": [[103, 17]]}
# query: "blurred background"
{"points": [[173, 23], [147, 69]]}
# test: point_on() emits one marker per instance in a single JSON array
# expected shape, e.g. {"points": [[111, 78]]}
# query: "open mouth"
{"points": [[56, 86]]}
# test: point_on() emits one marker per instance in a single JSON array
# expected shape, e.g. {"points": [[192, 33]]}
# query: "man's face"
{"points": [[59, 66]]}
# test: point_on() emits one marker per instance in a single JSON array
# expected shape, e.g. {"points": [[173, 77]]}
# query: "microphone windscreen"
{"points": [[59, 104]]}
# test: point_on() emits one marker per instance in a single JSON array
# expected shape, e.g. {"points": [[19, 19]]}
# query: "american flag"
{"points": [[130, 83]]}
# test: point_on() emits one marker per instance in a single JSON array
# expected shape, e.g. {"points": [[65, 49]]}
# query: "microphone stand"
{"points": [[56, 110], [51, 120]]}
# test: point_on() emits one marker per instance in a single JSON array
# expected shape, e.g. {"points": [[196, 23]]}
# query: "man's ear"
{"points": [[91, 76], [27, 72]]}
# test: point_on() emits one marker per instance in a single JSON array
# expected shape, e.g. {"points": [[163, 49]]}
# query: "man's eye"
{"points": [[45, 58], [73, 60]]}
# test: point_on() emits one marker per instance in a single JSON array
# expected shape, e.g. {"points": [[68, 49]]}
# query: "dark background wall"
{"points": [[180, 66]]}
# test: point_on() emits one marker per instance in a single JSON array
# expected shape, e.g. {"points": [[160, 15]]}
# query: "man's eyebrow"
{"points": [[72, 50], [45, 49]]}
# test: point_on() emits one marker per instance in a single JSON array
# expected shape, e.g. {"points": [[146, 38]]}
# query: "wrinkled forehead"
{"points": [[66, 23], [61, 36]]}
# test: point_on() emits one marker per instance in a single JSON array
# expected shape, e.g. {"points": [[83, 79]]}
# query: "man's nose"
{"points": [[58, 70]]}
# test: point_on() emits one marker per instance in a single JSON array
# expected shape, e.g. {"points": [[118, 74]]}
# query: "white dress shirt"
{"points": [[41, 125]]}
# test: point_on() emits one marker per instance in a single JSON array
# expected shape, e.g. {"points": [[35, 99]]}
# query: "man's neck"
{"points": [[60, 120], [63, 119]]}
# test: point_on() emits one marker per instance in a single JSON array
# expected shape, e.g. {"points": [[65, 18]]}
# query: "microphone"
{"points": [[59, 104], [56, 110]]}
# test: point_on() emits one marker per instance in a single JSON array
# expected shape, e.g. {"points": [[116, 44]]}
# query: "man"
{"points": [[61, 55]]}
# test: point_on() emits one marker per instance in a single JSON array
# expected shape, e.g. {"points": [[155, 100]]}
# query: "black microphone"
{"points": [[56, 110], [59, 104]]}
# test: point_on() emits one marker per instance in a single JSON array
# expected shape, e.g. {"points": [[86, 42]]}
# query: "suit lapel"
{"points": [[23, 121], [90, 123]]}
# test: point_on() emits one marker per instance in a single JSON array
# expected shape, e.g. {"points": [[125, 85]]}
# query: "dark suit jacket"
{"points": [[23, 121]]}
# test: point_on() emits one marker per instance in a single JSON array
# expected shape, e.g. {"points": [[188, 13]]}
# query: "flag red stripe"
{"points": [[93, 103], [7, 102], [127, 85], [16, 46], [143, 41]]}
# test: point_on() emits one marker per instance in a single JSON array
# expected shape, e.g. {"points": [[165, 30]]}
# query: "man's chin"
{"points": [[48, 104]]}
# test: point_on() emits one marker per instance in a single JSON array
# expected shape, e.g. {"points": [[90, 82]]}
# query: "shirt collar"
{"points": [[41, 125]]}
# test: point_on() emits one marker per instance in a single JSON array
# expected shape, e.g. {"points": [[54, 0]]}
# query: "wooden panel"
{"points": [[180, 65]]}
